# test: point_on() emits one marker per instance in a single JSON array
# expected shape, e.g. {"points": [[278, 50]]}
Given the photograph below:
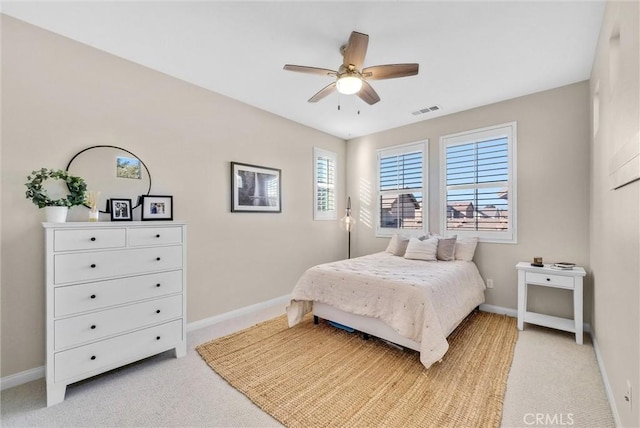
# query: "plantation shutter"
{"points": [[401, 189], [478, 184], [325, 185]]}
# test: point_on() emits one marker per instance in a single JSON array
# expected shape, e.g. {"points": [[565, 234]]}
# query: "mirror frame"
{"points": [[138, 202]]}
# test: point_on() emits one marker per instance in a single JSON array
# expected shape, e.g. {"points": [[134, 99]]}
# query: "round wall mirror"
{"points": [[114, 172]]}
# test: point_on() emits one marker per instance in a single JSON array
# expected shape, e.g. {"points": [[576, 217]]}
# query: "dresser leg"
{"points": [[181, 350], [55, 394]]}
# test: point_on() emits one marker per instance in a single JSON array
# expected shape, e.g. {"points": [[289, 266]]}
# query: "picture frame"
{"points": [[156, 207], [255, 189], [120, 209]]}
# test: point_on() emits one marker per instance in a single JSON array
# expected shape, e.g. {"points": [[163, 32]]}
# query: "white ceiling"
{"points": [[470, 53]]}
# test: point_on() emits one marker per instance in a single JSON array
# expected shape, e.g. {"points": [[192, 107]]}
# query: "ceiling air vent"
{"points": [[426, 110]]}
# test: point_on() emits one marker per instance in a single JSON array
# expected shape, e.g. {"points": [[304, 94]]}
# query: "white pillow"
{"points": [[447, 248], [397, 245], [466, 248], [422, 250]]}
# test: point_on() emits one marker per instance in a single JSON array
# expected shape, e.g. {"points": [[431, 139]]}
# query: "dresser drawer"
{"points": [[75, 267], [549, 279], [155, 236], [88, 239], [75, 299], [97, 325], [99, 356]]}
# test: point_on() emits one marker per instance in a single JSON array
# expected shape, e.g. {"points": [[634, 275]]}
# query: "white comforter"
{"points": [[423, 301]]}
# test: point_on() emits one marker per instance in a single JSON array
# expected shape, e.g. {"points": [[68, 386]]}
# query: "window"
{"points": [[401, 190], [324, 188], [478, 184]]}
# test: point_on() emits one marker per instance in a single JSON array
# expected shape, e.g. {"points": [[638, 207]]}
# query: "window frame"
{"points": [[328, 214], [422, 146], [508, 130]]}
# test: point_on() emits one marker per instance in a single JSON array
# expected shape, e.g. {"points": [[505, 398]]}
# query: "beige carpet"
{"points": [[310, 376]]}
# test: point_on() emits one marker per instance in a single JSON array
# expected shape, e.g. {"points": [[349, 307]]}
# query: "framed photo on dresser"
{"points": [[156, 208], [120, 209]]}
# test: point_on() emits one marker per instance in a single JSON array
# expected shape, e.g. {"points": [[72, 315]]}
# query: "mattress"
{"points": [[423, 301]]}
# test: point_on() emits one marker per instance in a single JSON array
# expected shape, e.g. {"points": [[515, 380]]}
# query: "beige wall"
{"points": [[59, 96], [615, 214], [552, 187]]}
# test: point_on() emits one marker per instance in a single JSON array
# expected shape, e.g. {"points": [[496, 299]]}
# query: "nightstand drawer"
{"points": [[549, 279], [89, 239]]}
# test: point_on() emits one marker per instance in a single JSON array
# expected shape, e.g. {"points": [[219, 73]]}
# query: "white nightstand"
{"points": [[549, 277]]}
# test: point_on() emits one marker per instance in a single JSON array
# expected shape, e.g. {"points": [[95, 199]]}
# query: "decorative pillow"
{"points": [[397, 245], [447, 248], [422, 250], [466, 248]]}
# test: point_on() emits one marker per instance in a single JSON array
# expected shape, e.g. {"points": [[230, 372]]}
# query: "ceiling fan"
{"points": [[351, 78]]}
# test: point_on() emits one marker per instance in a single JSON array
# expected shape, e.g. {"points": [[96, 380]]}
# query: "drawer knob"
{"points": [[158, 311], [157, 285], [157, 235], [157, 337], [93, 357], [93, 265], [93, 238], [93, 296], [93, 327], [548, 279], [158, 258]]}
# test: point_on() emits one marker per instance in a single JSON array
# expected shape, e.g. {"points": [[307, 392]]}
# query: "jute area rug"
{"points": [[319, 376]]}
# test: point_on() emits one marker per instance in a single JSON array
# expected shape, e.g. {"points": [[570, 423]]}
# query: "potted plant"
{"points": [[55, 209]]}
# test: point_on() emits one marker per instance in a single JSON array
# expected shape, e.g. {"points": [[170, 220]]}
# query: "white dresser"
{"points": [[115, 293]]}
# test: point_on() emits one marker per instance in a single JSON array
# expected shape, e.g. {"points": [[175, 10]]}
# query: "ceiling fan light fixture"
{"points": [[349, 84]]}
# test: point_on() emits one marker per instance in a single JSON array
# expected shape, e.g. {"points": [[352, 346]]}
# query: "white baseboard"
{"points": [[499, 310], [21, 378], [605, 380], [276, 305]]}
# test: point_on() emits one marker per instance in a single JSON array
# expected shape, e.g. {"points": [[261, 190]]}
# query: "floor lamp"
{"points": [[347, 223]]}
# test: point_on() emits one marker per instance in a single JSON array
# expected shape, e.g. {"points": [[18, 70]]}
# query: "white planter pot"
{"points": [[56, 214]]}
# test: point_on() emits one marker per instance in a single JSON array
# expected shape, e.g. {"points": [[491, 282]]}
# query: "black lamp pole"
{"points": [[347, 222]]}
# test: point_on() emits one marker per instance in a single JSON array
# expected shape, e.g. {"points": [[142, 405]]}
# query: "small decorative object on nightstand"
{"points": [[548, 276]]}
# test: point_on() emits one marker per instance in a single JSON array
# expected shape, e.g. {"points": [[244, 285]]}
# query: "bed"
{"points": [[412, 303]]}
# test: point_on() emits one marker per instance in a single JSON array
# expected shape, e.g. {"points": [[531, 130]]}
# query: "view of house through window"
{"points": [[401, 195], [478, 183]]}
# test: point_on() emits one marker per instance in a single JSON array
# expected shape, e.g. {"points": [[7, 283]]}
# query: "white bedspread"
{"points": [[423, 301]]}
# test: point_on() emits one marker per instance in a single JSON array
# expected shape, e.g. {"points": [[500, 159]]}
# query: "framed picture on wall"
{"points": [[120, 209], [156, 208], [255, 189]]}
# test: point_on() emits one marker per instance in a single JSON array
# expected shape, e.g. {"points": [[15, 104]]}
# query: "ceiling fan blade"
{"points": [[389, 71], [310, 70], [368, 94], [323, 92], [356, 50]]}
